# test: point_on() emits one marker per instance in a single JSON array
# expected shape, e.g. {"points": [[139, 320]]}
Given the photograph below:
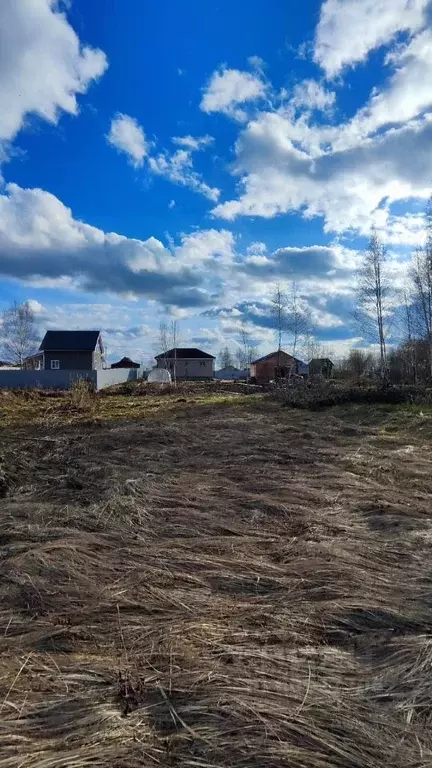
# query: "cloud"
{"points": [[178, 168], [36, 307], [405, 96], [303, 261], [41, 240], [228, 88], [311, 95], [41, 243], [193, 143], [127, 136], [349, 173], [44, 66], [349, 29], [287, 167], [405, 230], [210, 244]]}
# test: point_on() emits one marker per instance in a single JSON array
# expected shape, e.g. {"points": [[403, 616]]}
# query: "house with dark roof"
{"points": [[277, 365], [125, 362], [69, 351], [187, 363], [322, 366]]}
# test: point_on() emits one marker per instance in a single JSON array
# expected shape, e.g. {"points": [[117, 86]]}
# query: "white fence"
{"points": [[64, 379]]}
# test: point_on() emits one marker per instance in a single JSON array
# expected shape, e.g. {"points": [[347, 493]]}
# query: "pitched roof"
{"points": [[270, 356], [125, 362], [70, 341], [320, 361], [188, 353]]}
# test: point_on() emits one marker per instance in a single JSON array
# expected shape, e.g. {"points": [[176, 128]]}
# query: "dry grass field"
{"points": [[214, 580]]}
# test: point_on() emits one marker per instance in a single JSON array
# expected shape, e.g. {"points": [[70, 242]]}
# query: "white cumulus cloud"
{"points": [[229, 88], [193, 143], [178, 168], [407, 93], [349, 29], [127, 136], [312, 95], [346, 185], [349, 172], [40, 240], [44, 66]]}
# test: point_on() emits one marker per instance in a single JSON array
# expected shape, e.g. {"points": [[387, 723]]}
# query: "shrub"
{"points": [[82, 395], [328, 395]]}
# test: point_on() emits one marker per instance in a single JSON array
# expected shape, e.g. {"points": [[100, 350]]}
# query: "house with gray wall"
{"points": [[69, 351], [231, 373], [187, 363]]}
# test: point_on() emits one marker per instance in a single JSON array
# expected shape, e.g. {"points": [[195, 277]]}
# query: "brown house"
{"points": [[276, 365], [69, 351]]}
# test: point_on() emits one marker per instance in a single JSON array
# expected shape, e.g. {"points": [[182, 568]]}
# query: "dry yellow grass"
{"points": [[48, 408], [234, 584]]}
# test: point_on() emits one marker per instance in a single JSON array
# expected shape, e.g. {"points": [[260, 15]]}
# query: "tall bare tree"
{"points": [[374, 298], [298, 321], [279, 315], [290, 316], [421, 270], [18, 334], [247, 350], [409, 347], [359, 362], [169, 340]]}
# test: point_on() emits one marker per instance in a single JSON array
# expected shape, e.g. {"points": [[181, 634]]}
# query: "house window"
{"points": [[202, 363], [55, 365], [37, 365]]}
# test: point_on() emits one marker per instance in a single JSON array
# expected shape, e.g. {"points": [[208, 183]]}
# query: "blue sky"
{"points": [[175, 161]]}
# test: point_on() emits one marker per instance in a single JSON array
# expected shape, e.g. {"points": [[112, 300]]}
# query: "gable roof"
{"points": [[70, 341], [271, 355], [188, 353], [125, 362], [320, 361]]}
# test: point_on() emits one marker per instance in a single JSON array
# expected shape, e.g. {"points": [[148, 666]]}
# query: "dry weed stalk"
{"points": [[215, 598]]}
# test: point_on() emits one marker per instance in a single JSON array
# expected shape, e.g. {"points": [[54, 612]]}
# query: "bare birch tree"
{"points": [[247, 351], [373, 298], [169, 340], [18, 335], [421, 270], [279, 315], [291, 318], [298, 321], [409, 346]]}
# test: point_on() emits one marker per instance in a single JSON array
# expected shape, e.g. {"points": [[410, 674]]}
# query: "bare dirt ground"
{"points": [[222, 583]]}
